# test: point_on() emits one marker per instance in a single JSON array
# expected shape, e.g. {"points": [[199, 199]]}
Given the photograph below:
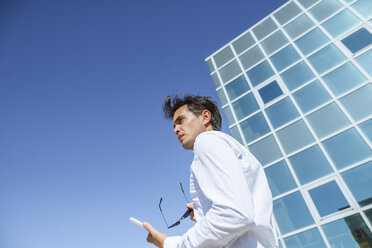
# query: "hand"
{"points": [[191, 206], [155, 237]]}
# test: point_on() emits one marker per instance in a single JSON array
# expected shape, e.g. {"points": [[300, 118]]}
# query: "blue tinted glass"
{"points": [[210, 65], [285, 57], [297, 76], [270, 92], [295, 136], [344, 79], [244, 42], [309, 239], [328, 199], [299, 26], [291, 213], [359, 182], [245, 106], [347, 148], [216, 81], [282, 112], [310, 164], [280, 178], [311, 96], [264, 28], [348, 232], [222, 96], [236, 134], [326, 58], [324, 9], [367, 129], [358, 40], [251, 57], [311, 41], [341, 23], [287, 12], [266, 150], [223, 56], [359, 103], [364, 7], [369, 215], [237, 87], [274, 42], [260, 73], [254, 127], [327, 120], [229, 116], [365, 61], [307, 3], [229, 71]]}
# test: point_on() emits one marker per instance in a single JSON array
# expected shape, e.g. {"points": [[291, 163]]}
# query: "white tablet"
{"points": [[135, 221]]}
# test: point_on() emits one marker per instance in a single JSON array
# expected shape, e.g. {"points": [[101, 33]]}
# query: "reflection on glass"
{"points": [[299, 26], [369, 215], [236, 134], [307, 3], [367, 129], [297, 75], [222, 96], [311, 41], [260, 73], [326, 58], [245, 106], [264, 28], [281, 112], [364, 7], [291, 213], [310, 164], [285, 58], [358, 40], [274, 42], [311, 96], [309, 239], [266, 150], [359, 103], [344, 79], [295, 136], [270, 92], [347, 148], [348, 232], [327, 120], [223, 56], [243, 42], [210, 65], [216, 81], [229, 116], [287, 12], [237, 87], [341, 23], [365, 61], [280, 178], [229, 71], [324, 9], [254, 127], [328, 198], [359, 182], [251, 57]]}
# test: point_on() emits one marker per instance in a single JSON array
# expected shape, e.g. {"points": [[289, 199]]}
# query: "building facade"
{"points": [[296, 89]]}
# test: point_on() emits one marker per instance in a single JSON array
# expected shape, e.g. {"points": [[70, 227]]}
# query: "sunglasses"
{"points": [[185, 215]]}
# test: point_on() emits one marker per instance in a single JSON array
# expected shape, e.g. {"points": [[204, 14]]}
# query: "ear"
{"points": [[206, 114]]}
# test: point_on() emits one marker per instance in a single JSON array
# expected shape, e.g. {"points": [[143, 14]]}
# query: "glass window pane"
{"points": [[307, 3], [236, 134], [266, 150], [348, 232], [369, 215], [280, 178], [229, 116], [270, 92], [222, 97], [237, 87], [281, 112], [210, 65], [264, 28], [358, 40], [364, 61], [344, 79], [328, 120], [359, 182], [299, 26], [324, 9], [326, 58], [291, 213], [274, 42], [254, 127], [311, 96], [223, 56], [364, 7], [309, 239], [367, 129], [310, 164], [328, 199], [347, 148], [287, 12], [285, 57], [245, 106], [297, 76], [359, 103], [216, 81], [260, 73], [229, 71], [251, 57], [311, 41], [295, 136], [244, 42], [341, 23]]}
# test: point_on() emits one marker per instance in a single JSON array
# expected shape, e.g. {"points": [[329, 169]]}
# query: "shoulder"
{"points": [[211, 141]]}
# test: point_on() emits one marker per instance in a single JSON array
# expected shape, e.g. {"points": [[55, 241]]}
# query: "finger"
{"points": [[148, 227], [190, 205]]}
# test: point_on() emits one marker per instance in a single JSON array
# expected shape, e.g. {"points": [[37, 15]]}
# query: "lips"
{"points": [[180, 137]]}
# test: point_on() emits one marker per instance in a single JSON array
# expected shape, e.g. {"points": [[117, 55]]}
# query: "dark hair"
{"points": [[196, 105]]}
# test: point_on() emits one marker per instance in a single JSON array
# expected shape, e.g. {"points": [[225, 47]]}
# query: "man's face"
{"points": [[187, 126]]}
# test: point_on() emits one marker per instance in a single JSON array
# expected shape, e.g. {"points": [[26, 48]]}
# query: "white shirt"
{"points": [[232, 199]]}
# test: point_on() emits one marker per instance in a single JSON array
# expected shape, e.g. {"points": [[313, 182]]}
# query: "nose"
{"points": [[176, 129]]}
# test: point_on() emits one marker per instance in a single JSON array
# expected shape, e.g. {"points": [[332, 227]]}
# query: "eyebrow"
{"points": [[178, 119]]}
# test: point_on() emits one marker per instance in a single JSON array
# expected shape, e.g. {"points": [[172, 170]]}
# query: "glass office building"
{"points": [[296, 89]]}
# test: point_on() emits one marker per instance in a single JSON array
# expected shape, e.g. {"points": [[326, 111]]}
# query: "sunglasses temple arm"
{"points": [[184, 193], [161, 211]]}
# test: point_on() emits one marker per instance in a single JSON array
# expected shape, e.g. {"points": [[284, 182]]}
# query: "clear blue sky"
{"points": [[83, 144]]}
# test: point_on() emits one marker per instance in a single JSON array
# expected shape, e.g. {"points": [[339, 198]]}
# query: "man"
{"points": [[231, 196]]}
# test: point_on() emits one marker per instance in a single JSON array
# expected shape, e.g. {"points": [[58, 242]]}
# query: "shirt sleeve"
{"points": [[221, 180]]}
